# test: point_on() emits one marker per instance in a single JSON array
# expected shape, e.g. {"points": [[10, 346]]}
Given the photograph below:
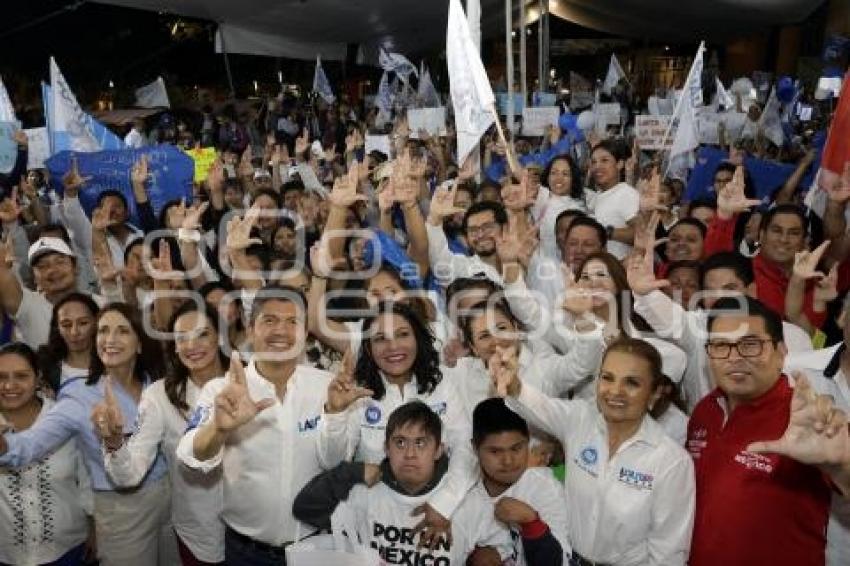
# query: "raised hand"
{"points": [[503, 367], [343, 390], [432, 528], [515, 197], [10, 209], [467, 170], [650, 193], [72, 180], [406, 176], [731, 200], [100, 219], [28, 188], [641, 273], [443, 204], [233, 405], [107, 418], [302, 143], [215, 178], [386, 196], [578, 300], [817, 432], [104, 267], [320, 259], [806, 262], [453, 350], [826, 289], [239, 230], [330, 153], [344, 192], [139, 172], [839, 191], [192, 215]]}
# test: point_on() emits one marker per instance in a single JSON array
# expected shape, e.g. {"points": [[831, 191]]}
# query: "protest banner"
{"points": [[608, 113], [432, 120], [378, 143], [170, 175], [38, 147], [650, 130], [544, 99], [204, 157], [535, 120], [502, 103], [768, 176], [8, 146]]}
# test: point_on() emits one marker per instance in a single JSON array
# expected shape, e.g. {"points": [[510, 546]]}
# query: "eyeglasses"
{"points": [[747, 348], [487, 228], [401, 443]]}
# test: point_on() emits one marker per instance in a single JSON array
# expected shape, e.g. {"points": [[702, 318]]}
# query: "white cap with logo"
{"points": [[48, 245]]}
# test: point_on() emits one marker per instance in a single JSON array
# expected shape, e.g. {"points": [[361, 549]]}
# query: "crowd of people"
{"points": [[539, 355]]}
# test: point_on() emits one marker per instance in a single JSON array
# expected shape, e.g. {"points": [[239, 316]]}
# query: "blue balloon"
{"points": [[785, 89], [389, 252]]}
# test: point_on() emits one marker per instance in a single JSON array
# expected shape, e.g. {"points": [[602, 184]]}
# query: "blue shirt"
{"points": [[71, 416]]}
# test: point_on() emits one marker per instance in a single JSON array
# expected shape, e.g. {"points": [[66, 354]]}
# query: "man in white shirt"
{"points": [[135, 138], [54, 268], [261, 425]]}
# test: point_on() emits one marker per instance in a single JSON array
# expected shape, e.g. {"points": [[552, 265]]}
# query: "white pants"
{"points": [[134, 528]]}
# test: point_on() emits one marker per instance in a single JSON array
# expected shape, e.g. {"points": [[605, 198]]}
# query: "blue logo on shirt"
{"points": [[589, 456], [373, 414], [309, 424], [636, 479]]}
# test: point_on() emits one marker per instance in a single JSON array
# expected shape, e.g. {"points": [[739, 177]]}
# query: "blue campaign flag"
{"points": [[768, 176], [170, 177]]}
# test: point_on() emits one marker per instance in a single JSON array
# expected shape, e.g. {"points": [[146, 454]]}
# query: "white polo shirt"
{"points": [[631, 508], [359, 433], [267, 461], [196, 497]]}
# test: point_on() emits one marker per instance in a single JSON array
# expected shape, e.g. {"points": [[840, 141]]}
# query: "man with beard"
{"points": [[482, 226], [453, 225]]}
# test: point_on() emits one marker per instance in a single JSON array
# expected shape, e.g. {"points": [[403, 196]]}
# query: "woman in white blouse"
{"points": [[45, 508], [630, 488], [196, 498]]}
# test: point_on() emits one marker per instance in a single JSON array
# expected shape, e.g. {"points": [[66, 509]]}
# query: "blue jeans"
{"points": [[238, 551]]}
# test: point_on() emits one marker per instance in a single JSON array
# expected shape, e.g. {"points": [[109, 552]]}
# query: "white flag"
{"points": [[615, 73], [68, 122], [770, 122], [428, 96], [472, 97], [321, 86], [723, 97], [398, 64], [687, 136], [7, 111], [153, 95], [581, 92]]}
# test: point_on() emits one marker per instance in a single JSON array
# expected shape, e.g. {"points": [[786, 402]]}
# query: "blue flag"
{"points": [[171, 172]]}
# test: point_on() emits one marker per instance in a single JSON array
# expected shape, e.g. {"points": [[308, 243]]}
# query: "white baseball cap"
{"points": [[48, 245]]}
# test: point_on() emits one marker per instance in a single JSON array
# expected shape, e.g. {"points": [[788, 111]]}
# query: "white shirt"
{"points": [[32, 321], [44, 506], [267, 461], [196, 498], [448, 266], [632, 508], [553, 374], [615, 207], [68, 373], [816, 365], [538, 489], [134, 139], [383, 519], [359, 433], [545, 212], [689, 331]]}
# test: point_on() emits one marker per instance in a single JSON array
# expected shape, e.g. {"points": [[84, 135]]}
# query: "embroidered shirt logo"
{"points": [[373, 414], [636, 479], [753, 461], [587, 459], [309, 424], [198, 417]]}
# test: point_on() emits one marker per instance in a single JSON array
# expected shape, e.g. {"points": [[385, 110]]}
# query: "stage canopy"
{"points": [[302, 28]]}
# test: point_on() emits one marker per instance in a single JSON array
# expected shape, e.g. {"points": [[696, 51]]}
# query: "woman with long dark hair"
{"points": [[562, 190], [196, 499], [44, 508], [129, 523], [68, 353], [397, 363]]}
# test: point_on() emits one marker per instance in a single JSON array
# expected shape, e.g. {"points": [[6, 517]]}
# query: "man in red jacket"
{"points": [[762, 501], [781, 235]]}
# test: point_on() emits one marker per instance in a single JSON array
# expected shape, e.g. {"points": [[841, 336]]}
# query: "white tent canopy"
{"points": [[303, 28]]}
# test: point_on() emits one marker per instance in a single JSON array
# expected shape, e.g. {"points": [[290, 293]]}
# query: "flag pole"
{"points": [[513, 165]]}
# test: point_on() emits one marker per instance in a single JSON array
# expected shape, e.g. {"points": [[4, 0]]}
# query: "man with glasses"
{"points": [[761, 500]]}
